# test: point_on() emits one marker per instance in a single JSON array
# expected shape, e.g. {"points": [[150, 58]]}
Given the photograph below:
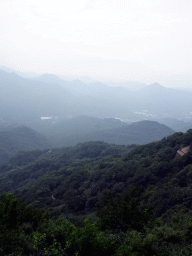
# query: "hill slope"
{"points": [[20, 139], [78, 176], [71, 131], [142, 132], [154, 219]]}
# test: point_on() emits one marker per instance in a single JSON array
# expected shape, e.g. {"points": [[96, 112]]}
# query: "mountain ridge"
{"points": [[21, 139]]}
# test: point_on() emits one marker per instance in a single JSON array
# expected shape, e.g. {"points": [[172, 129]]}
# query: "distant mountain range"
{"points": [[157, 99], [48, 95], [71, 131], [22, 74], [80, 129], [177, 125], [25, 99], [130, 85]]}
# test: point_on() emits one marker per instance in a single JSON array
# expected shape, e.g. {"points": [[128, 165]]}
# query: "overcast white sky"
{"points": [[108, 39]]}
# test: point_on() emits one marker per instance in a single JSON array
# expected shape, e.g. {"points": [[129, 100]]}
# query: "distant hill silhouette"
{"points": [[25, 99], [49, 95], [21, 139], [141, 132], [71, 131], [50, 78]]}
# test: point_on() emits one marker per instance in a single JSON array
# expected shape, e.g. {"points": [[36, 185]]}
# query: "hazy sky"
{"points": [[109, 39]]}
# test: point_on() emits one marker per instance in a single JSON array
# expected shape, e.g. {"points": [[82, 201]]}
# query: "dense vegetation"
{"points": [[102, 199]]}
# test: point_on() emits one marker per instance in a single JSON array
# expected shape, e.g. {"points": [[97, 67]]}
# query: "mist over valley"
{"points": [[96, 128], [69, 112]]}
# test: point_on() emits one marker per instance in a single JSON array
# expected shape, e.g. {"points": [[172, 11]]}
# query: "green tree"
{"points": [[122, 213]]}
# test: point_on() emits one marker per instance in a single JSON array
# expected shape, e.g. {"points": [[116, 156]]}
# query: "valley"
{"points": [[80, 160], [95, 128]]}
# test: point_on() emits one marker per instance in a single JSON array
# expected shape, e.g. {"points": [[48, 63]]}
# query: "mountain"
{"points": [[78, 176], [50, 96], [129, 200], [50, 78], [141, 132], [75, 87], [130, 85], [71, 131], [164, 102], [87, 80], [131, 97], [95, 89], [25, 99], [155, 87], [21, 139], [22, 74], [176, 125]]}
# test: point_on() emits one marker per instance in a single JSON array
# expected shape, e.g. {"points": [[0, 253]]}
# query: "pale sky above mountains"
{"points": [[143, 40]]}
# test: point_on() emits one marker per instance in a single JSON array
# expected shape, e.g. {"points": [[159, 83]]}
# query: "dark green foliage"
{"points": [[15, 220], [79, 178], [122, 213], [32, 233], [90, 240]]}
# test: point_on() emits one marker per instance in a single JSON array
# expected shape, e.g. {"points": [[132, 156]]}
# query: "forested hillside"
{"points": [[147, 212], [13, 140]]}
